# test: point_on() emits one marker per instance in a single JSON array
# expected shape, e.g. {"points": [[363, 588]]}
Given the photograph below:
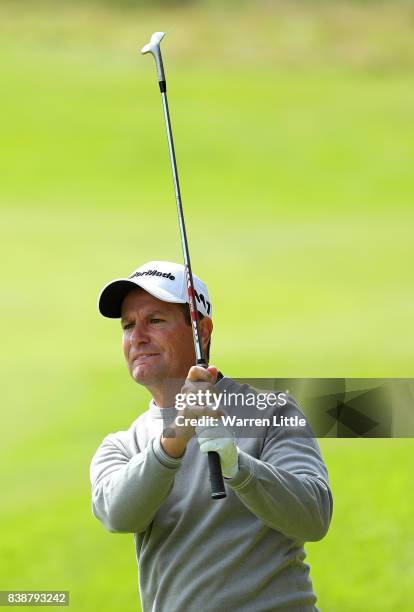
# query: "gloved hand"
{"points": [[219, 439]]}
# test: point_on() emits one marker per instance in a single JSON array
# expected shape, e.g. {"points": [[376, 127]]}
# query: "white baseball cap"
{"points": [[162, 279]]}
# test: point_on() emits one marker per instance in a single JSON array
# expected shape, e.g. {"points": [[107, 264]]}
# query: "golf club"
{"points": [[217, 484]]}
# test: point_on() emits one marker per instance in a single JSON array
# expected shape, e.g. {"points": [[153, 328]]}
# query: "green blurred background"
{"points": [[294, 132]]}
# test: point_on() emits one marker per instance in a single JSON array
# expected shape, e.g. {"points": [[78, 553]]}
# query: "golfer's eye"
{"points": [[128, 326], [156, 321]]}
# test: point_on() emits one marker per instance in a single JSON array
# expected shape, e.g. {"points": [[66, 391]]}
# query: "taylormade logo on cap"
{"points": [[164, 280], [154, 273]]}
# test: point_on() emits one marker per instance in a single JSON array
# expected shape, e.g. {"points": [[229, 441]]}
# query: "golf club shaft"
{"points": [[216, 478], [200, 358]]}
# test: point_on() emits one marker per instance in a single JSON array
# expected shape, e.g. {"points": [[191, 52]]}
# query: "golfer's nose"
{"points": [[140, 334]]}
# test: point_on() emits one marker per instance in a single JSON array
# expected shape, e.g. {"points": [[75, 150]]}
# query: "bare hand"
{"points": [[197, 395]]}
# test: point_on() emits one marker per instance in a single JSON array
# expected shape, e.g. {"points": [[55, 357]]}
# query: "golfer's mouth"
{"points": [[145, 356]]}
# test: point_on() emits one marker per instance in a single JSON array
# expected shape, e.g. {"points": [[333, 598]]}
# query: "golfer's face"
{"points": [[157, 342]]}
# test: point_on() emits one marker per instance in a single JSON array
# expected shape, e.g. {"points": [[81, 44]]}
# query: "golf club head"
{"points": [[156, 38], [153, 47]]}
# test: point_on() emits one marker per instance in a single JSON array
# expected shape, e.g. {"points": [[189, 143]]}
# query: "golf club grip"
{"points": [[218, 490], [216, 477]]}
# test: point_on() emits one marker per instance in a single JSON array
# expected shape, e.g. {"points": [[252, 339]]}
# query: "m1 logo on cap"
{"points": [[154, 273], [200, 298]]}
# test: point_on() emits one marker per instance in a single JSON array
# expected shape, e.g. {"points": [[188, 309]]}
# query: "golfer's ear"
{"points": [[206, 329]]}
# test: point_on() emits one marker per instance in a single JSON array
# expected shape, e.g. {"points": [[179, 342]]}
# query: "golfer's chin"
{"points": [[146, 373]]}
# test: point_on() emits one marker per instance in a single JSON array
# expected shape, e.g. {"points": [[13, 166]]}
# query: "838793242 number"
{"points": [[34, 598]]}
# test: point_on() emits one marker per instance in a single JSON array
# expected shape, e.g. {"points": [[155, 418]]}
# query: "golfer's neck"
{"points": [[164, 394]]}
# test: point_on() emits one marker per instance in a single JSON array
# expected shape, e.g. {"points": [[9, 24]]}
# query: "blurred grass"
{"points": [[295, 146]]}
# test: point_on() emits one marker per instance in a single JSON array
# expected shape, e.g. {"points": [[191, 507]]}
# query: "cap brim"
{"points": [[112, 296]]}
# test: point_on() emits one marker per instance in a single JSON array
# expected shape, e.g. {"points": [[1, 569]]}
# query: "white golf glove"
{"points": [[220, 440]]}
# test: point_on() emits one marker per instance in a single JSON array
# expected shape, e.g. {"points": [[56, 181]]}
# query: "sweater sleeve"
{"points": [[128, 489], [287, 487]]}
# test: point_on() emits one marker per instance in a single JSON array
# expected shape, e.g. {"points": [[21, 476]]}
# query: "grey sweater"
{"points": [[243, 553]]}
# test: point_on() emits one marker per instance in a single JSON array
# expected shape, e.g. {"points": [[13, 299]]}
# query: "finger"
{"points": [[213, 413], [203, 392], [214, 372], [209, 432], [199, 374], [197, 412], [213, 431]]}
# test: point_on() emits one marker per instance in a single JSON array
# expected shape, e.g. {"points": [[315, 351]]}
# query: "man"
{"points": [[243, 553]]}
